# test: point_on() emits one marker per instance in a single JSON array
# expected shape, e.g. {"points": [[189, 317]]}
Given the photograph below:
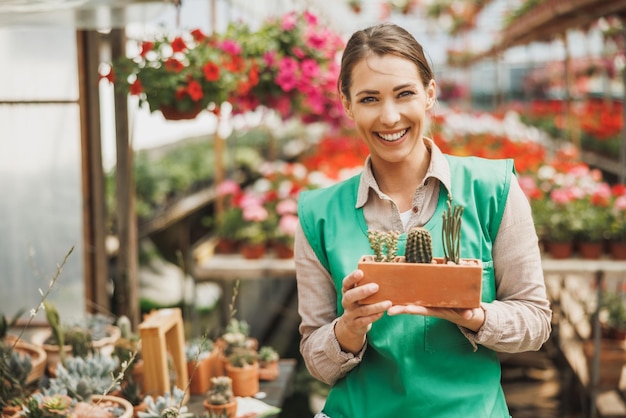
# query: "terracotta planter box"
{"points": [[434, 285]]}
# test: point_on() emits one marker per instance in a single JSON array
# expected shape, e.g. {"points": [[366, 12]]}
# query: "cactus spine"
{"points": [[419, 247]]}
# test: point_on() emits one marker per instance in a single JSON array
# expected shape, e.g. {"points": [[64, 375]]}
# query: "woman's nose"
{"points": [[389, 114]]}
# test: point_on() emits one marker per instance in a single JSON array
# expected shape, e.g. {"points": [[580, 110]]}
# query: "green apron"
{"points": [[415, 366]]}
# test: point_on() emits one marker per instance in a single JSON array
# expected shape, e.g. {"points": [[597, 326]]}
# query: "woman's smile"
{"points": [[392, 137]]}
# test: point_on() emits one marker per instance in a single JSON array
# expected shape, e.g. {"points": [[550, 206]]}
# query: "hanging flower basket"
{"points": [[172, 113]]}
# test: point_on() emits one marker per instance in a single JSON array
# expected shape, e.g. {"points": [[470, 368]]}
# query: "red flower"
{"points": [[135, 88], [236, 64], [146, 47], [211, 71], [178, 45], [174, 65], [194, 89], [110, 75], [198, 35]]}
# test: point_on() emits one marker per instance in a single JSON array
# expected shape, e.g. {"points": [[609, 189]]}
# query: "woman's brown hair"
{"points": [[383, 39]]}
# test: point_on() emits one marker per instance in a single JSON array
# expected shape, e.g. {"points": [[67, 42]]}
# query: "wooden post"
{"points": [[162, 333]]}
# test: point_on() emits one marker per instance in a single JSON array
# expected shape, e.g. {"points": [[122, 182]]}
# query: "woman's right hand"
{"points": [[357, 319]]}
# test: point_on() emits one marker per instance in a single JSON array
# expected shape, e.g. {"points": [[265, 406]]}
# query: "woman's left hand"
{"points": [[469, 318]]}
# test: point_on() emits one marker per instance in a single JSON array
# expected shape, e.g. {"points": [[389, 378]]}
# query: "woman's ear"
{"points": [[431, 94], [347, 106]]}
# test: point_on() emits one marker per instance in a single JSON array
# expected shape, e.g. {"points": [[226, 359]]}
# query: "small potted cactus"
{"points": [[268, 363], [418, 277], [243, 369], [220, 400]]}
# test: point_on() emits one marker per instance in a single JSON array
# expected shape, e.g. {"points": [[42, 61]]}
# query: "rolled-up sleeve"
{"points": [[316, 295]]}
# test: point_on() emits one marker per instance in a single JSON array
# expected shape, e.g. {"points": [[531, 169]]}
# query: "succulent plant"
{"points": [[14, 370], [419, 248], [242, 357], [384, 245], [82, 377], [221, 391], [166, 405], [267, 354]]}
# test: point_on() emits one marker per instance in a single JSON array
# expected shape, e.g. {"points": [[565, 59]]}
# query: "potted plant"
{"points": [[184, 74], [268, 363], [612, 355], [95, 333], [220, 400], [201, 357], [86, 382], [243, 369], [617, 231], [36, 355], [418, 277], [166, 405]]}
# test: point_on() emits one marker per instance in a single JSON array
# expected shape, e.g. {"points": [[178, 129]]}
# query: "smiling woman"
{"points": [[451, 368]]}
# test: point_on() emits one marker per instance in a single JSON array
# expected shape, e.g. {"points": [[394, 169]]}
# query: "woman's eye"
{"points": [[406, 93], [368, 99]]}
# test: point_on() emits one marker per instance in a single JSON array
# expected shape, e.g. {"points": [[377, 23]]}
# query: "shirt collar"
{"points": [[437, 169]]}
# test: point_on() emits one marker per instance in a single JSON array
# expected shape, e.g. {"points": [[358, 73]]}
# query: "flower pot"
{"points": [[282, 251], [560, 250], [226, 246], [617, 250], [245, 379], [103, 406], [433, 285], [200, 376], [218, 410], [590, 250], [38, 357], [172, 113], [252, 251], [269, 371], [612, 359]]}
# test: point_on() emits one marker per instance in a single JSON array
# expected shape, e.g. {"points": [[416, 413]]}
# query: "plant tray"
{"points": [[435, 285]]}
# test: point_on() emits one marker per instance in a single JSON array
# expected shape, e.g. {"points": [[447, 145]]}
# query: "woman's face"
{"points": [[388, 104]]}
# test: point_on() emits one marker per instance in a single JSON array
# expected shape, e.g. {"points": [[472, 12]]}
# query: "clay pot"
{"points": [[252, 251], [245, 379], [218, 410], [282, 251], [617, 250], [269, 371], [434, 285], [38, 357], [590, 250], [200, 376], [612, 359], [560, 250]]}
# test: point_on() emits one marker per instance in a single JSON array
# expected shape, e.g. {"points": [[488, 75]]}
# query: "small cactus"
{"points": [[221, 391], [384, 245], [419, 246], [451, 232]]}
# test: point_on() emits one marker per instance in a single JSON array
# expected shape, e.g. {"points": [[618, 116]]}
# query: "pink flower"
{"points": [[310, 18], [561, 196], [231, 47], [249, 200], [270, 58], [288, 224], [228, 187], [310, 68], [255, 213], [620, 203], [298, 52], [287, 206], [289, 21]]}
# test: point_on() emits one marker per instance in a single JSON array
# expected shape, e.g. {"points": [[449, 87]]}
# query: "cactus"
{"points": [[221, 391], [384, 245], [419, 246], [451, 232]]}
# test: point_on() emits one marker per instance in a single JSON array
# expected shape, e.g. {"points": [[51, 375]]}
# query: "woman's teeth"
{"points": [[392, 137]]}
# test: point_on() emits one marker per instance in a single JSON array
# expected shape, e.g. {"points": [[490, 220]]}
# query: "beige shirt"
{"points": [[518, 320]]}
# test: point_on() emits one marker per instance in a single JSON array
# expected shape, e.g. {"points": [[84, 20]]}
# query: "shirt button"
{"points": [[415, 209]]}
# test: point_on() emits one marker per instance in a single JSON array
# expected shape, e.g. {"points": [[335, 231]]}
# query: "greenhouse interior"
{"points": [[167, 262]]}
